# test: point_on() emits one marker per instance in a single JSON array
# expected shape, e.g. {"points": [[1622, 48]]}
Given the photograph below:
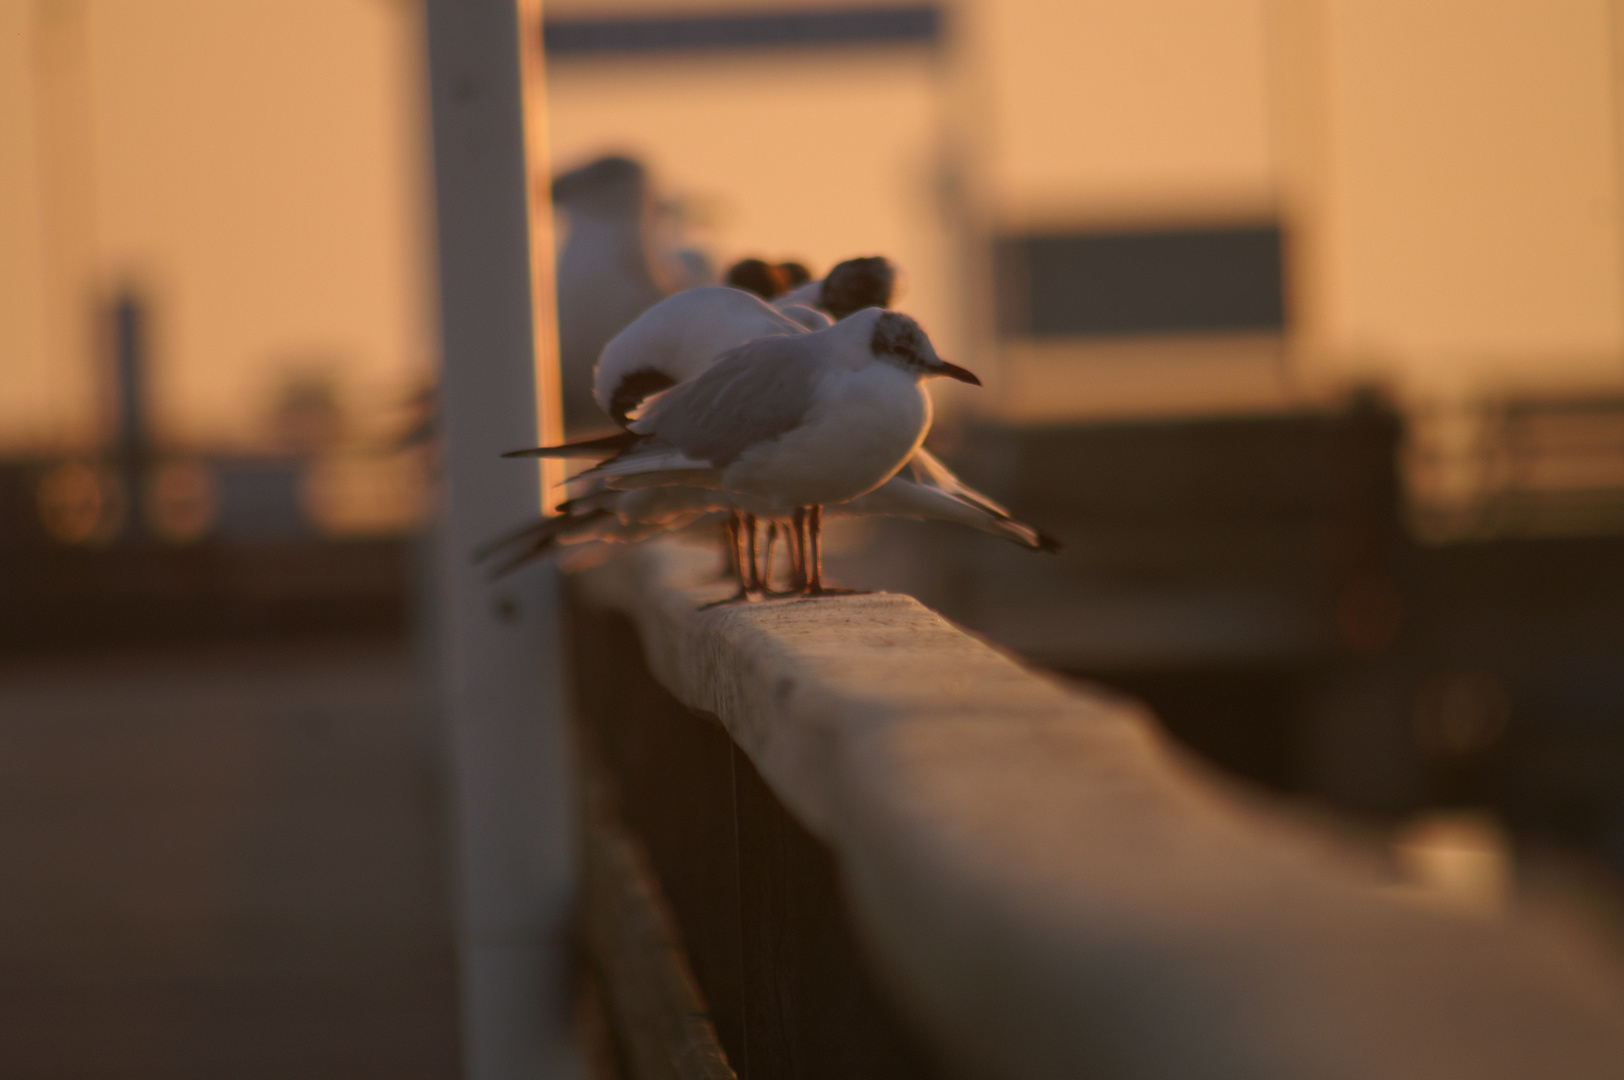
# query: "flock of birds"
{"points": [[765, 405]]}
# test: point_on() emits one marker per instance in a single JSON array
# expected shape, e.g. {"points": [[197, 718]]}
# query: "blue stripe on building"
{"points": [[909, 25]]}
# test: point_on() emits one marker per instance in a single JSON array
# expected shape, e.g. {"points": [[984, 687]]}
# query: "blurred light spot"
{"points": [[81, 504], [181, 501], [307, 416], [1460, 713], [366, 494], [1461, 857]]}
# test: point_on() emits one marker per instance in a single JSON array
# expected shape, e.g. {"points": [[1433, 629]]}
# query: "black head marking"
{"points": [[898, 335], [607, 185], [758, 276], [857, 284], [795, 274], [634, 389]]}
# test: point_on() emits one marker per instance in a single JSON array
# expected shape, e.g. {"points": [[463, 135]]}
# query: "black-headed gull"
{"points": [[849, 287], [787, 422], [758, 276], [673, 342], [615, 264], [605, 279]]}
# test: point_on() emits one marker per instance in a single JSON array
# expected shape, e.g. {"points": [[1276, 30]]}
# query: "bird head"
{"points": [[608, 187], [857, 284], [899, 339]]}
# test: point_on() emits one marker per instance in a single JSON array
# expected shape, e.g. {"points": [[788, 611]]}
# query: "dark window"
{"points": [[914, 24], [1161, 282]]}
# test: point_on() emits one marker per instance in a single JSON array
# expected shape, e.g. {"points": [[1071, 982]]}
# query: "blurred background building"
{"points": [[1195, 207]]}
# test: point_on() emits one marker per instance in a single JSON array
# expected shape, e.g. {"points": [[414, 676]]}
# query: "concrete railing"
{"points": [[1038, 883]]}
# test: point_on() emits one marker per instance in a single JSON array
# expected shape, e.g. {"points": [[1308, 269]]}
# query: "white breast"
{"points": [[864, 427]]}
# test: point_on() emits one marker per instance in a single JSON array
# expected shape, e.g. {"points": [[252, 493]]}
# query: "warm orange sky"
{"points": [[259, 171], [1447, 172], [1469, 204]]}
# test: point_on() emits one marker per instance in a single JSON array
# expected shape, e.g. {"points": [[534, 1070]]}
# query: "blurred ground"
{"points": [[223, 862]]}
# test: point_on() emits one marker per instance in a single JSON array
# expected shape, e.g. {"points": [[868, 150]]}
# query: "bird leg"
{"points": [[814, 551], [791, 534], [734, 568], [798, 551], [737, 564], [814, 558], [752, 583], [767, 558]]}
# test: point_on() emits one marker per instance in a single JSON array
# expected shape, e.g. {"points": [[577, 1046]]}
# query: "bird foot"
{"points": [[835, 590]]}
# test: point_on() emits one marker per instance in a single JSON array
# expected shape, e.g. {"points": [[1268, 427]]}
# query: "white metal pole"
{"points": [[499, 642]]}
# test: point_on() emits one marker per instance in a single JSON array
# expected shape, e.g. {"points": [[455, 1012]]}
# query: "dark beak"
{"points": [[953, 371]]}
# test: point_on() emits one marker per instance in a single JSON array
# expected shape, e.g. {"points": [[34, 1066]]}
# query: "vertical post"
{"points": [[499, 642], [543, 287], [129, 362], [130, 435]]}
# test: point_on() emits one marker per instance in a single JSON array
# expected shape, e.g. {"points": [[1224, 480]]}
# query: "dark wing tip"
{"points": [[607, 444]]}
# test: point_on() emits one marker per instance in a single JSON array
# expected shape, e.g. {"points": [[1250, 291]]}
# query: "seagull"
{"points": [[795, 274], [605, 279], [760, 277], [614, 265], [789, 422], [848, 288], [678, 339], [769, 280]]}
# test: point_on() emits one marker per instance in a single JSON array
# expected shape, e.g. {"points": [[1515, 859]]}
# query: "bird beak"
{"points": [[953, 371]]}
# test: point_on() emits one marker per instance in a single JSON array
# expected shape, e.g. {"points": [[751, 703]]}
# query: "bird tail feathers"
{"points": [[607, 444]]}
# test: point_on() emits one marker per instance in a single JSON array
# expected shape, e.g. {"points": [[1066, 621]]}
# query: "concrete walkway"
{"points": [[223, 864]]}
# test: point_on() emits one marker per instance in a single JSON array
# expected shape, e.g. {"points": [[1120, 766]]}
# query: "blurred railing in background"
{"points": [[1518, 467], [206, 549]]}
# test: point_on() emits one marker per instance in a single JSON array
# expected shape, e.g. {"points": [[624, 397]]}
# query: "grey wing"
{"points": [[927, 468], [753, 394]]}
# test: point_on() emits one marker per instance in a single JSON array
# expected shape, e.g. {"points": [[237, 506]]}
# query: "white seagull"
{"points": [[849, 287], [605, 279], [615, 264], [786, 423], [676, 340]]}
